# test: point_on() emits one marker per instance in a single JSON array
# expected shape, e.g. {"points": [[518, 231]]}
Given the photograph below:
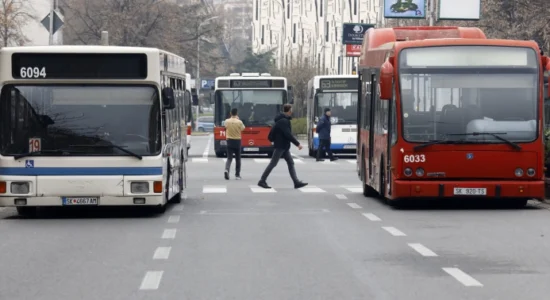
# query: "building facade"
{"points": [[310, 30]]}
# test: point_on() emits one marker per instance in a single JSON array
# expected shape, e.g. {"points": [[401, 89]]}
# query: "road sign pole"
{"points": [[51, 23]]}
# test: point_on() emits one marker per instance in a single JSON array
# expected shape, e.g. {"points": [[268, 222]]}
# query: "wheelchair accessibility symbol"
{"points": [[29, 164]]}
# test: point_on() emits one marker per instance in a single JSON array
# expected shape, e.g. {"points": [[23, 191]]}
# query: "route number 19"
{"points": [[35, 144]]}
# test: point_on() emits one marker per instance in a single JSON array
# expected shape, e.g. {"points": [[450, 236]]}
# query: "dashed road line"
{"points": [[341, 196], [199, 159], [210, 189], [257, 189], [354, 205], [207, 149], [178, 208], [162, 253], [394, 231], [151, 281], [462, 277], [169, 233], [423, 250], [371, 217], [311, 189], [174, 219], [353, 189]]}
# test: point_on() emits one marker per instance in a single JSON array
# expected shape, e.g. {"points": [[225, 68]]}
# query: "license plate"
{"points": [[350, 146], [80, 200], [251, 149], [470, 191]]}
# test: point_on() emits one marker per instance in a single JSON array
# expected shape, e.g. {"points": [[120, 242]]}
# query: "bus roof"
{"points": [[158, 60], [377, 56], [250, 81]]}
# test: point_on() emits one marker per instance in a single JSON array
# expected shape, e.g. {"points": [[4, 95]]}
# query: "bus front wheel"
{"points": [[26, 211]]}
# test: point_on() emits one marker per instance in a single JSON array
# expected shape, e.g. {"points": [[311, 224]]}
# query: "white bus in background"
{"points": [[339, 93], [91, 125]]}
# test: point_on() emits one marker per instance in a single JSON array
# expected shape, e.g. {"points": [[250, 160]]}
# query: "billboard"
{"points": [[459, 9], [352, 33], [353, 50], [409, 9]]}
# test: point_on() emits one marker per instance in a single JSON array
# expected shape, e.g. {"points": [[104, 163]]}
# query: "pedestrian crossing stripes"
{"points": [[265, 161], [309, 189]]}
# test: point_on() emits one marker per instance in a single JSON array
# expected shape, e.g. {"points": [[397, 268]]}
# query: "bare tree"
{"points": [[298, 74], [14, 16]]}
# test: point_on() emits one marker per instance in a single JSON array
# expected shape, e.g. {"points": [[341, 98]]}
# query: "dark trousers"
{"points": [[234, 148], [277, 155], [324, 145]]}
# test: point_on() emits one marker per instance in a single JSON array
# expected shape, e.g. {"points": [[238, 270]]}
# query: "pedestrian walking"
{"points": [[233, 130], [323, 130], [281, 136]]}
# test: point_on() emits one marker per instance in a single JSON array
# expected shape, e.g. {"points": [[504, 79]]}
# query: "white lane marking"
{"points": [[262, 160], [178, 208], [423, 250], [353, 188], [299, 161], [311, 189], [462, 277], [169, 234], [328, 162], [151, 281], [174, 219], [224, 159], [372, 217], [199, 160], [296, 156], [341, 196], [207, 149], [211, 189], [162, 253], [354, 205], [394, 231], [257, 189], [352, 161]]}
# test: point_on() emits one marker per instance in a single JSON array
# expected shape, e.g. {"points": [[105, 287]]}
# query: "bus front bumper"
{"points": [[136, 200], [221, 146], [403, 189]]}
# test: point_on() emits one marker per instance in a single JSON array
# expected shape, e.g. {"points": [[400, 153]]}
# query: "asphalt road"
{"points": [[229, 240]]}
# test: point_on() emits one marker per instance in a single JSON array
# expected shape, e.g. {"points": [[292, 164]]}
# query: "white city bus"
{"points": [[91, 125], [339, 93]]}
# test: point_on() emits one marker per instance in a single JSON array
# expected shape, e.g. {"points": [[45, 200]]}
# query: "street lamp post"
{"points": [[197, 77]]}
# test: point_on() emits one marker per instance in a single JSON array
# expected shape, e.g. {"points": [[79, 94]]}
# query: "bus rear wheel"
{"points": [[367, 190]]}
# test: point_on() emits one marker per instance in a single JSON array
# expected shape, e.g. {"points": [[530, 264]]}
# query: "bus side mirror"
{"points": [[168, 100], [386, 81]]}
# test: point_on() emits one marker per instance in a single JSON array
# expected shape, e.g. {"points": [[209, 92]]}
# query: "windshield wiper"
{"points": [[34, 153], [439, 142], [493, 134], [110, 146]]}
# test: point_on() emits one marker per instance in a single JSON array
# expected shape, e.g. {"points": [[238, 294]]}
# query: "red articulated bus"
{"points": [[446, 113], [259, 98]]}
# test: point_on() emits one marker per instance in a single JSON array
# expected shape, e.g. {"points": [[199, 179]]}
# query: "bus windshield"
{"points": [[255, 107], [343, 106], [80, 120], [471, 94]]}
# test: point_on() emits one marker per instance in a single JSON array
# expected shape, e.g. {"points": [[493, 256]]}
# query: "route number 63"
{"points": [[414, 158], [32, 72]]}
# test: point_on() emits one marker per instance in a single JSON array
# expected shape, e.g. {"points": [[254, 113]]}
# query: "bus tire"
{"points": [[382, 180], [160, 209], [27, 211], [517, 203], [219, 154]]}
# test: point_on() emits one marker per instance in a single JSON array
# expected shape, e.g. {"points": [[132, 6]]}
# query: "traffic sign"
{"points": [[57, 22], [207, 84]]}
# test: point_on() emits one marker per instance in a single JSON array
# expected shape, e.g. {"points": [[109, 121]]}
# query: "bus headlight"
{"points": [[519, 172], [20, 188], [530, 172], [408, 172], [419, 172], [139, 187]]}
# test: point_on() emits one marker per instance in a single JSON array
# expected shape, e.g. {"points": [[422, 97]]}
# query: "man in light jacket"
{"points": [[233, 130]]}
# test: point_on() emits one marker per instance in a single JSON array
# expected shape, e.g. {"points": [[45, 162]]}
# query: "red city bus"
{"points": [[259, 98], [446, 118]]}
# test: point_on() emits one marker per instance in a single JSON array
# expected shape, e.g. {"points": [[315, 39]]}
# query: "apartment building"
{"points": [[310, 30], [238, 18]]}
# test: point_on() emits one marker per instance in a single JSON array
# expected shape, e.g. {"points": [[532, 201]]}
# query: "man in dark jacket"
{"points": [[281, 136], [323, 130]]}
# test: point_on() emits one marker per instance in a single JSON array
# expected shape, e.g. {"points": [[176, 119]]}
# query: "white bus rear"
{"points": [[91, 125]]}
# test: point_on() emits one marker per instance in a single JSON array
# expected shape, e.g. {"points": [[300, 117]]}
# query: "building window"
{"points": [[271, 37], [303, 37], [257, 9], [288, 8], [327, 33], [262, 34], [294, 33], [355, 7], [321, 10]]}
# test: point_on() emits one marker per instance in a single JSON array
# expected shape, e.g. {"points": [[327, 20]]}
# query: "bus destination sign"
{"points": [[251, 83], [339, 84], [79, 66]]}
